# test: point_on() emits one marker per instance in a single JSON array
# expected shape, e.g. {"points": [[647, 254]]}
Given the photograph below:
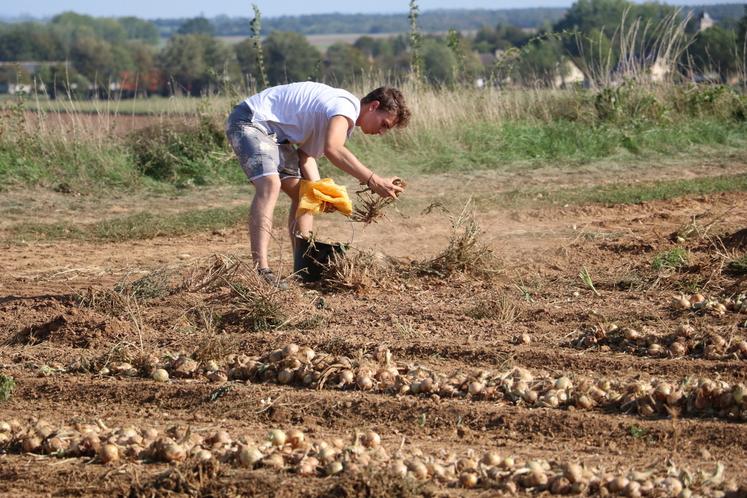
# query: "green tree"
{"points": [[439, 62], [290, 57], [344, 63], [196, 62], [196, 26], [61, 80], [246, 57], [93, 57], [29, 41], [108, 29], [715, 50], [139, 29], [742, 32], [540, 63]]}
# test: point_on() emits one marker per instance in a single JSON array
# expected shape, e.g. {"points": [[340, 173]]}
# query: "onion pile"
{"points": [[303, 367], [291, 451], [702, 304], [683, 341]]}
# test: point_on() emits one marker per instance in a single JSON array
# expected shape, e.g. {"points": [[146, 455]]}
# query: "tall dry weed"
{"points": [[465, 252]]}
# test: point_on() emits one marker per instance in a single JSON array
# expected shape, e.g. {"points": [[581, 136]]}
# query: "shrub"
{"points": [[7, 384], [671, 260], [178, 152]]}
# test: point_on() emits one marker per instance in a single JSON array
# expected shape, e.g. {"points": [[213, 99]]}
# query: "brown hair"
{"points": [[390, 100]]}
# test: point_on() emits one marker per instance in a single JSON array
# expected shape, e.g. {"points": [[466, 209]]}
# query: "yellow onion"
{"points": [[109, 453]]}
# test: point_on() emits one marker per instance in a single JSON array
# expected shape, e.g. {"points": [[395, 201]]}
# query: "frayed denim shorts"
{"points": [[258, 149]]}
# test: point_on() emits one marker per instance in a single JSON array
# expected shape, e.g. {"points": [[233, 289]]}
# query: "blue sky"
{"points": [[149, 9]]}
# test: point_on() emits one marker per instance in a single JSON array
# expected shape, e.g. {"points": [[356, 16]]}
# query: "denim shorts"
{"points": [[258, 149]]}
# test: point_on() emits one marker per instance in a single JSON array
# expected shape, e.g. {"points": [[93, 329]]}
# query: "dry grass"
{"points": [[502, 308], [356, 272], [465, 253], [370, 207]]}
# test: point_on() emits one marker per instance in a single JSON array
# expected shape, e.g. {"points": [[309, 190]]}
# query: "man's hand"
{"points": [[385, 187]]}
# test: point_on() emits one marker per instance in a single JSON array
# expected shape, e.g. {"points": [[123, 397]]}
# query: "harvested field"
{"points": [[538, 349]]}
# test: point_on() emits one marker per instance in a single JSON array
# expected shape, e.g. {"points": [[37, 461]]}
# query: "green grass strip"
{"points": [[618, 193], [135, 227]]}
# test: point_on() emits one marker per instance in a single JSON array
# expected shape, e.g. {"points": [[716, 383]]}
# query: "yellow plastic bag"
{"points": [[323, 196]]}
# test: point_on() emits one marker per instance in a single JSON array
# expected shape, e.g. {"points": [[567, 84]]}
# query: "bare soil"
{"points": [[460, 323]]}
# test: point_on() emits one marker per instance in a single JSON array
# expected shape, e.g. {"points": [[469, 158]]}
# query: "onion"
{"points": [[160, 375], [419, 470], [681, 303], [371, 440], [307, 353], [109, 453], [398, 468], [466, 464], [249, 455], [290, 350], [436, 470], [573, 472], [491, 458], [475, 388], [563, 383], [277, 437], [632, 334], [678, 349], [31, 444], [655, 349], [295, 438], [274, 461], [174, 452], [468, 479], [618, 484], [584, 402], [633, 489], [364, 382], [738, 393], [346, 377], [560, 486], [203, 456], [285, 376]]}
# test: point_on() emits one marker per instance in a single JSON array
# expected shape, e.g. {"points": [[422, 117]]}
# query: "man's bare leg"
{"points": [[303, 224], [267, 189]]}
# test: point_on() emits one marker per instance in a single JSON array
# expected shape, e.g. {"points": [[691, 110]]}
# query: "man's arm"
{"points": [[343, 158], [309, 168]]}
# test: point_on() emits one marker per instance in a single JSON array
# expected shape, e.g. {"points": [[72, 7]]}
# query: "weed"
{"points": [[405, 327], [219, 269], [181, 153], [670, 260], [153, 285], [258, 306], [526, 293], [637, 431], [464, 253], [585, 277], [353, 272], [212, 343], [502, 309], [370, 207], [738, 266], [7, 384]]}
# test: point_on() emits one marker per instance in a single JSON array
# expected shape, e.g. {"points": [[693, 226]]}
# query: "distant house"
{"points": [[705, 21], [659, 70], [10, 71], [568, 74]]}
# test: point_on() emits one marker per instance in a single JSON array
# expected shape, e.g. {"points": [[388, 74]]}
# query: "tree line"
{"points": [[86, 55]]}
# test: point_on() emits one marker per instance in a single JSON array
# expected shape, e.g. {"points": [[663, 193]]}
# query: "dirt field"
{"points": [[481, 376]]}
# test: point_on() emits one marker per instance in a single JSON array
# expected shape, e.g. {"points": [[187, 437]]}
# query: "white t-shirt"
{"points": [[300, 112]]}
